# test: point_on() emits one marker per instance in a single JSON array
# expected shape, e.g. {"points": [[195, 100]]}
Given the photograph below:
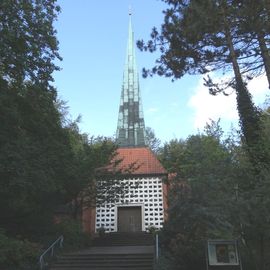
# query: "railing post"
{"points": [[41, 263], [61, 241], [157, 251]]}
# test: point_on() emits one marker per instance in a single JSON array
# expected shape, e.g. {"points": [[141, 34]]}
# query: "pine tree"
{"points": [[198, 37]]}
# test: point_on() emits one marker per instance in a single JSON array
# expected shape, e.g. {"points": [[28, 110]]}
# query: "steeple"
{"points": [[130, 126]]}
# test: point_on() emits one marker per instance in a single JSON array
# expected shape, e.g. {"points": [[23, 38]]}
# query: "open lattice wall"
{"points": [[148, 193]]}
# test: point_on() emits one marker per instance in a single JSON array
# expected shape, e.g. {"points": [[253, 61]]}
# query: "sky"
{"points": [[93, 37]]}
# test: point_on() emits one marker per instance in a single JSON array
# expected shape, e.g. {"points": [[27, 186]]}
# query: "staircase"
{"points": [[125, 239], [114, 251]]}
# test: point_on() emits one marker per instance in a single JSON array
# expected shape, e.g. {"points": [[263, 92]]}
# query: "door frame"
{"points": [[128, 205]]}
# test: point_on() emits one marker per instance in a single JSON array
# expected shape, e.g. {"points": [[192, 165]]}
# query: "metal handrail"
{"points": [[50, 249], [157, 247]]}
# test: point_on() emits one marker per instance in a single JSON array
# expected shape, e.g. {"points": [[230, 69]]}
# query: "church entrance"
{"points": [[129, 219]]}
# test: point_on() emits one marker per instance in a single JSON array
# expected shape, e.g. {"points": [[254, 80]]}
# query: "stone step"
{"points": [[104, 261], [114, 251], [101, 268], [105, 264], [106, 256], [124, 239]]}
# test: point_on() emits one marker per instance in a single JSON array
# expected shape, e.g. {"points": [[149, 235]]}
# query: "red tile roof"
{"points": [[144, 159]]}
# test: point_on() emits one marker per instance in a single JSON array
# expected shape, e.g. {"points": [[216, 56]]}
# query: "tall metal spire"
{"points": [[130, 127]]}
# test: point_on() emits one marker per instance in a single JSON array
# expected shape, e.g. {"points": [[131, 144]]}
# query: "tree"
{"points": [[93, 175], [216, 192], [171, 154], [199, 196], [254, 26], [44, 159], [198, 37], [202, 36], [28, 42], [90, 157], [253, 200], [151, 140], [34, 147], [214, 130], [250, 212], [34, 158]]}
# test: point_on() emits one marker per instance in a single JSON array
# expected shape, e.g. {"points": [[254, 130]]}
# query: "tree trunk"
{"points": [[265, 55], [247, 112]]}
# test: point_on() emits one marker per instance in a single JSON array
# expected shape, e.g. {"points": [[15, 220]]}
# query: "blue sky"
{"points": [[93, 39]]}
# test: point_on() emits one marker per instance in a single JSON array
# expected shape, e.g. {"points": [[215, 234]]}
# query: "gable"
{"points": [[146, 163]]}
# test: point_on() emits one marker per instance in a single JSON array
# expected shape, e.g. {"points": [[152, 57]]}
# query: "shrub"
{"points": [[74, 237], [17, 253]]}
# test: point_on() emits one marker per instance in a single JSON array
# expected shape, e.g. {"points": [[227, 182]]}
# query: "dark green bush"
{"points": [[74, 237], [165, 262], [17, 253]]}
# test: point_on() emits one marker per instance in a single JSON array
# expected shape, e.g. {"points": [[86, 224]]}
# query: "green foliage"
{"points": [[200, 192], [45, 161], [254, 25], [194, 37], [91, 158], [151, 140], [101, 231], [251, 212], [198, 37], [17, 253], [34, 149], [28, 43], [34, 155], [165, 262], [74, 238], [217, 191], [171, 154]]}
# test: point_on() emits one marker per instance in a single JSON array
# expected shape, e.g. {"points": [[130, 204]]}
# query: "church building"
{"points": [[144, 204]]}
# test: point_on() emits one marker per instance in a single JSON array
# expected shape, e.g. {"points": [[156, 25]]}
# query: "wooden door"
{"points": [[129, 219]]}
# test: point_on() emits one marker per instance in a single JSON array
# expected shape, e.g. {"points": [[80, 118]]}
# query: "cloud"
{"points": [[259, 89], [206, 106]]}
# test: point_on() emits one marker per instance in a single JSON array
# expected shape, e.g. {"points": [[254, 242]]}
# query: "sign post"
{"points": [[223, 255]]}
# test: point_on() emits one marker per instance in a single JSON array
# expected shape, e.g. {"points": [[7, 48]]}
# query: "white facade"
{"points": [[148, 195]]}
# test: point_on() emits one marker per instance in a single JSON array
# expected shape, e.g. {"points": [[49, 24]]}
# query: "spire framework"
{"points": [[130, 126]]}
